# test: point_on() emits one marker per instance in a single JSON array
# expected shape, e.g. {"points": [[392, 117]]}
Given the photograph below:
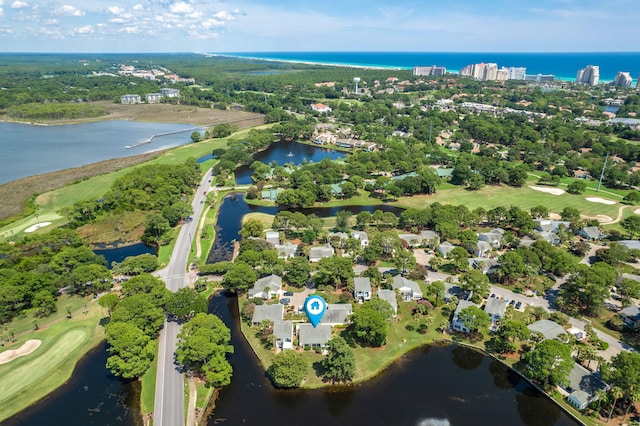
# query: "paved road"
{"points": [[169, 399]]}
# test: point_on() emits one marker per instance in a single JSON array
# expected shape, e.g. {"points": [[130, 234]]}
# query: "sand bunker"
{"points": [[554, 216], [552, 191], [599, 200], [36, 226], [637, 211], [28, 347]]}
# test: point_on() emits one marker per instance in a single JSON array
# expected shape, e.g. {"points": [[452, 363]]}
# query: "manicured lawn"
{"points": [[27, 379], [148, 387], [265, 219], [75, 303], [204, 394]]}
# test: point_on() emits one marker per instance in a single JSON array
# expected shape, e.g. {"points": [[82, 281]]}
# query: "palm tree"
{"points": [[601, 395], [616, 393], [633, 396]]}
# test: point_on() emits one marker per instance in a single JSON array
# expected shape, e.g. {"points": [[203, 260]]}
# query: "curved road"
{"points": [[169, 397]]}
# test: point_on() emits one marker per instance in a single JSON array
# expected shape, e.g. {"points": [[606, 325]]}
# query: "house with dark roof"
{"points": [[582, 386], [362, 289], [266, 287], [271, 313], [409, 290], [311, 336], [389, 296], [283, 334]]}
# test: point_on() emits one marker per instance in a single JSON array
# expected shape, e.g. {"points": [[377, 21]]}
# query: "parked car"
{"points": [[518, 305], [288, 293], [513, 302], [285, 301], [492, 295]]}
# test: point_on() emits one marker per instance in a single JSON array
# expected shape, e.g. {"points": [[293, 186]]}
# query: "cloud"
{"points": [[1, 12], [181, 7], [130, 30], [19, 4], [225, 16], [212, 22], [138, 7], [68, 10], [116, 10], [86, 29]]}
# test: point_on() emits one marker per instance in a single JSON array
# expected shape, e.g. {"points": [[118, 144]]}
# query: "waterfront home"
{"points": [[153, 98], [266, 287], [591, 233], [170, 92], [362, 289], [310, 336], [631, 316], [283, 334], [548, 329], [456, 323], [582, 386], [496, 309], [336, 314], [130, 99], [389, 296], [271, 313], [409, 290], [317, 253], [273, 237], [270, 194], [286, 250], [362, 237]]}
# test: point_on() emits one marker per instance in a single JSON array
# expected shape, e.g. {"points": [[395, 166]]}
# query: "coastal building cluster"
{"points": [[429, 71], [154, 73], [151, 98], [491, 72]]}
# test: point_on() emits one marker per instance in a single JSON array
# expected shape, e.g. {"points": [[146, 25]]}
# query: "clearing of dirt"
{"points": [[554, 216], [37, 226], [552, 191], [28, 347], [600, 200]]}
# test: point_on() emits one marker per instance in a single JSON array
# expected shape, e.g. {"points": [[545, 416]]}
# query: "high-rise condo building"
{"points": [[589, 75], [623, 79], [429, 71], [515, 73]]}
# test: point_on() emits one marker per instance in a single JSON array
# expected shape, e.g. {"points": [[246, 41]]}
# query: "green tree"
{"points": [[252, 227], [298, 271], [631, 224], [288, 369], [404, 260], [512, 266], [549, 362], [335, 271], [185, 303], [475, 281], [370, 322], [131, 349], [339, 365], [633, 197], [239, 277], [475, 319], [109, 301], [146, 284], [195, 136], [140, 310], [203, 344], [576, 187], [342, 220]]}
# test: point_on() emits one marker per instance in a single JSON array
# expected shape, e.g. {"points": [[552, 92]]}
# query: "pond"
{"points": [[285, 152], [118, 254]]}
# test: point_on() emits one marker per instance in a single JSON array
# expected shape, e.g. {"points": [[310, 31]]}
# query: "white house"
{"points": [[409, 290], [362, 237], [493, 237], [317, 253], [495, 308], [283, 333], [169, 92], [273, 237], [130, 99], [153, 98], [286, 250], [445, 248], [362, 289], [266, 287], [480, 249], [309, 335], [389, 296], [429, 238], [321, 108], [336, 314], [411, 239], [456, 323], [271, 313], [582, 386]]}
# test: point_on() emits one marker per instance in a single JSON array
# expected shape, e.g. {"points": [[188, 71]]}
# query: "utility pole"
{"points": [[602, 173]]}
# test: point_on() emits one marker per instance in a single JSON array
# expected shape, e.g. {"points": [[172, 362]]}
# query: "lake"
{"points": [[287, 152], [118, 254], [29, 150]]}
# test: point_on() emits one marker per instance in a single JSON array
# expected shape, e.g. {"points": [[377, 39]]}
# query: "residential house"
{"points": [[336, 313], [286, 250], [547, 225], [591, 233], [273, 237], [411, 239], [495, 308], [582, 386], [526, 241], [283, 333], [324, 139], [362, 289], [480, 249], [445, 248], [336, 189], [549, 329], [444, 172], [153, 98], [169, 92], [630, 244], [409, 290], [389, 296], [321, 108], [270, 194], [338, 235], [548, 236], [266, 287], [429, 238], [451, 291], [317, 253], [483, 264], [493, 237], [310, 336], [631, 316], [456, 323], [271, 313], [362, 237], [130, 99]]}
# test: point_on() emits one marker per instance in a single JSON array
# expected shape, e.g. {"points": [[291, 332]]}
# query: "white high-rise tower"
{"points": [[356, 80]]}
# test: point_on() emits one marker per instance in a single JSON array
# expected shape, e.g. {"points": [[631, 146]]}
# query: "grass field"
{"points": [[27, 379], [148, 388]]}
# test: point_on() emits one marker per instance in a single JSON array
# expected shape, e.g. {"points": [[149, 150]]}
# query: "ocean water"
{"points": [[562, 65]]}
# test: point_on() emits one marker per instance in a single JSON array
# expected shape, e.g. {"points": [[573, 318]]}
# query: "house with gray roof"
{"points": [[456, 323], [286, 250], [493, 237], [270, 194], [338, 235], [362, 289], [336, 314], [130, 99], [582, 386], [409, 290], [480, 249], [317, 253], [389, 296], [526, 241], [630, 244], [411, 239], [549, 329], [273, 237], [591, 233], [551, 225], [495, 308], [548, 236], [266, 287], [445, 248], [283, 333], [444, 173], [362, 237], [271, 313], [483, 264], [631, 316], [429, 238], [311, 336]]}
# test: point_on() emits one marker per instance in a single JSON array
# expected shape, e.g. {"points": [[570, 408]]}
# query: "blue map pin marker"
{"points": [[314, 307]]}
